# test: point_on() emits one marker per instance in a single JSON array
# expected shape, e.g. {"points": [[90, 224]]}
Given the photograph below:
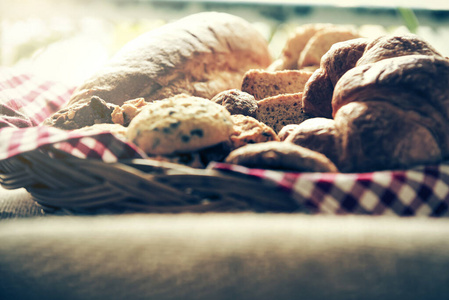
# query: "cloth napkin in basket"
{"points": [[26, 100]]}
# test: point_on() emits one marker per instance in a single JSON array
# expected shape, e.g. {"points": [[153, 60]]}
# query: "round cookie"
{"points": [[180, 124], [248, 130], [281, 156], [237, 102]]}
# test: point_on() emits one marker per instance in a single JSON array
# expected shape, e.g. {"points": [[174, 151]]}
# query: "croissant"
{"points": [[390, 110]]}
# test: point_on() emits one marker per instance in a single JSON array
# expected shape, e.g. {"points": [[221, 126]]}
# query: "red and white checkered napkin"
{"points": [[25, 101], [422, 191]]}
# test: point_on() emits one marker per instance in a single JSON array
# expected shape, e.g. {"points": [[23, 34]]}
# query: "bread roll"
{"points": [[318, 134], [295, 45], [200, 55], [318, 91], [317, 96], [321, 42]]}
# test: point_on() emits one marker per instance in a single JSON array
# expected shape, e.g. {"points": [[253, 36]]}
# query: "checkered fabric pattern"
{"points": [[25, 101]]}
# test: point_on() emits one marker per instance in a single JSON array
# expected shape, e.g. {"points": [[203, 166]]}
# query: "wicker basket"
{"points": [[60, 182]]}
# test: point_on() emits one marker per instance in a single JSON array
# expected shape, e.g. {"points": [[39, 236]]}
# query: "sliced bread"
{"points": [[281, 110], [263, 84]]}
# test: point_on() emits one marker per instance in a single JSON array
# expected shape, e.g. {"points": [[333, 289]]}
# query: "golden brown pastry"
{"points": [[124, 114], [286, 131]]}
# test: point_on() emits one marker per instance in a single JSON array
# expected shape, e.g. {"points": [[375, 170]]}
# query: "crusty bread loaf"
{"points": [[295, 45], [201, 55], [321, 42], [263, 84], [317, 98], [341, 57], [281, 110]]}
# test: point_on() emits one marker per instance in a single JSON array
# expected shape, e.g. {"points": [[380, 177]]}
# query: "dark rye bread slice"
{"points": [[281, 110]]}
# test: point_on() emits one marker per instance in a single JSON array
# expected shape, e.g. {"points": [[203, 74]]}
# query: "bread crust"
{"points": [[317, 96], [199, 55], [427, 76], [378, 136], [318, 90], [389, 46]]}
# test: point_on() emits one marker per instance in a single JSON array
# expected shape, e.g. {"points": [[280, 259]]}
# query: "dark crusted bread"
{"points": [[317, 96], [341, 57]]}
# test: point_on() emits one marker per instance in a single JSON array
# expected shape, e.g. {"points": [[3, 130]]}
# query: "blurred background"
{"points": [[68, 40]]}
